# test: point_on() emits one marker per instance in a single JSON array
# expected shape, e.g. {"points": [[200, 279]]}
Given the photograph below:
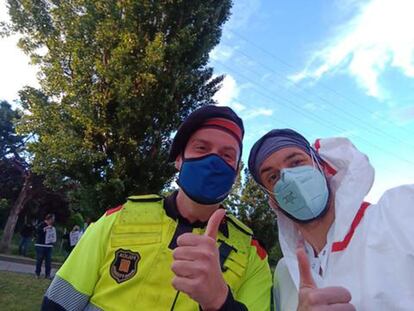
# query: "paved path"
{"points": [[21, 265]]}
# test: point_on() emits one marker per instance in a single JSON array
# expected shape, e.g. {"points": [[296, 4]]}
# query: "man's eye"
{"points": [[202, 148], [273, 178], [228, 156], [297, 163]]}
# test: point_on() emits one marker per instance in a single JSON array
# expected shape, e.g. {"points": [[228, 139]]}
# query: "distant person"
{"points": [[318, 195], [74, 236], [45, 239], [26, 237], [71, 238], [86, 224], [66, 242]]}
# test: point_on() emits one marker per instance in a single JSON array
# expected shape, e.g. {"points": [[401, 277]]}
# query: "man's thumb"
{"points": [[214, 223], [306, 279]]}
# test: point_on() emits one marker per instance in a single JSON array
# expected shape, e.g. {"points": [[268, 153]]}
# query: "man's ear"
{"points": [[178, 162]]}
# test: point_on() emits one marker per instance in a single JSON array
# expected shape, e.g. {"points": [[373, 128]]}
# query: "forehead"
{"points": [[279, 157], [215, 137]]}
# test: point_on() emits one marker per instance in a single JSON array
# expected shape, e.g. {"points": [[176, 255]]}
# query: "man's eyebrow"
{"points": [[265, 170], [292, 155], [230, 148], [289, 157], [199, 140]]}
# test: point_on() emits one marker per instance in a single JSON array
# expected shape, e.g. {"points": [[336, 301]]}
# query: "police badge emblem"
{"points": [[125, 265]]}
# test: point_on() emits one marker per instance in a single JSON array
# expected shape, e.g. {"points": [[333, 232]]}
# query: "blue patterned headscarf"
{"points": [[273, 141]]}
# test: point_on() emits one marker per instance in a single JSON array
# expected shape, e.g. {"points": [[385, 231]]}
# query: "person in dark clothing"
{"points": [[46, 237], [26, 235]]}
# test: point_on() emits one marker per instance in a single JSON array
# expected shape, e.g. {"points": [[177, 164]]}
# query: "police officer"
{"points": [[177, 253]]}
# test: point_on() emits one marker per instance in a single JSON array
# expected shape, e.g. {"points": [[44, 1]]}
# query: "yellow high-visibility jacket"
{"points": [[123, 262]]}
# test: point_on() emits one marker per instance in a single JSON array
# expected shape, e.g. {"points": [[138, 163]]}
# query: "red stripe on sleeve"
{"points": [[317, 145], [259, 249], [113, 210], [326, 165], [340, 246]]}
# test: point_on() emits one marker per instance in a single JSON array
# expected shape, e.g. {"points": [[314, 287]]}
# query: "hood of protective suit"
{"points": [[351, 182]]}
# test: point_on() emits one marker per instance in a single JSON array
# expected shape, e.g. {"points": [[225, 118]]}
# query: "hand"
{"points": [[197, 266], [312, 298]]}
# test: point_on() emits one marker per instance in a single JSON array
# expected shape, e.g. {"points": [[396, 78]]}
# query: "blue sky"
{"points": [[324, 68]]}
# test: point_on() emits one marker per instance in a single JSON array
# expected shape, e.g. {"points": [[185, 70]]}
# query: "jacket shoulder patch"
{"points": [[125, 265], [113, 210], [261, 252]]}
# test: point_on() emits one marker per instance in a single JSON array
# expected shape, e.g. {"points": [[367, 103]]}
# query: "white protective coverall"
{"points": [[375, 262]]}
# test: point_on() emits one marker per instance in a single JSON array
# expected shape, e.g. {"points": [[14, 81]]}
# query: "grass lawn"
{"points": [[20, 292]]}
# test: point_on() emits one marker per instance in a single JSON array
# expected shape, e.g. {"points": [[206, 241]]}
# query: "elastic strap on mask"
{"points": [[269, 194], [315, 160]]}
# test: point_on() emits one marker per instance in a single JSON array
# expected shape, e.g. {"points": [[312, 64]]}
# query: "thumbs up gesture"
{"points": [[197, 266], [313, 298]]}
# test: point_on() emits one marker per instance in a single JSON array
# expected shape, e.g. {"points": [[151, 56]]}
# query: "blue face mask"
{"points": [[302, 192], [206, 180]]}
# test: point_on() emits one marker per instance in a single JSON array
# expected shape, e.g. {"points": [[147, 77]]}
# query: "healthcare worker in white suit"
{"points": [[339, 252]]}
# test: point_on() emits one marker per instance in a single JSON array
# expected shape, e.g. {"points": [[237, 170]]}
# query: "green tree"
{"points": [[117, 78], [11, 181], [15, 176], [21, 191], [251, 205], [11, 144], [233, 201]]}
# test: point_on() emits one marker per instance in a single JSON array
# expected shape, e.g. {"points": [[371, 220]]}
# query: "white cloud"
{"points": [[384, 180], [228, 93], [222, 52], [228, 96], [378, 36], [242, 13], [238, 107], [253, 113], [15, 69], [4, 16], [403, 115]]}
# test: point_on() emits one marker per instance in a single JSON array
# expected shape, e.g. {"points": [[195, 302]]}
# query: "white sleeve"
{"points": [[397, 211]]}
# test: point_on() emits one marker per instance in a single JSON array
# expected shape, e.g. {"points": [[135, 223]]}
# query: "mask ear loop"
{"points": [[315, 160], [270, 196], [320, 167]]}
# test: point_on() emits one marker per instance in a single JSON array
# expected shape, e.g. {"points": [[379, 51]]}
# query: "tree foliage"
{"points": [[117, 78], [11, 144], [250, 204], [22, 193]]}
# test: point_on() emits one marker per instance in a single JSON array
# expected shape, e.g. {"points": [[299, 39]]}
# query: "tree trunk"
{"points": [[14, 214]]}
